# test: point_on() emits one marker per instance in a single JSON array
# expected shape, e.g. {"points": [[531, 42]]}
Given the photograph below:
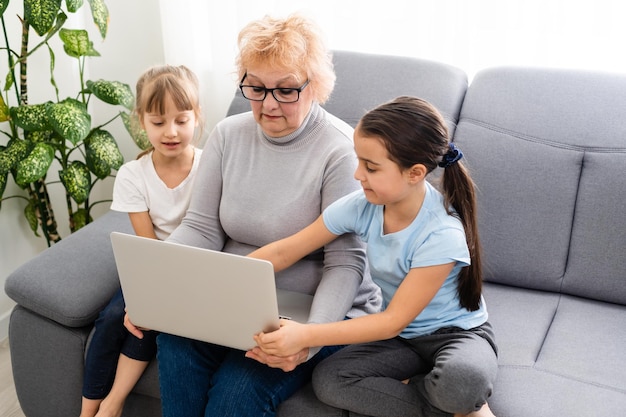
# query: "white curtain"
{"points": [[470, 34]]}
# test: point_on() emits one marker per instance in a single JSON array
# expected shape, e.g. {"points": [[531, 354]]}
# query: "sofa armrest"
{"points": [[71, 281]]}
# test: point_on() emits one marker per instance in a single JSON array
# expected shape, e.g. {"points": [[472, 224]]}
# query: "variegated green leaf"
{"points": [[112, 92], [3, 184], [102, 153], [4, 110], [137, 133], [69, 119], [30, 212], [38, 136], [41, 14], [35, 165], [76, 43], [100, 15], [9, 81], [73, 5], [80, 219], [31, 117], [5, 162], [77, 181], [3, 6], [53, 61], [15, 151]]}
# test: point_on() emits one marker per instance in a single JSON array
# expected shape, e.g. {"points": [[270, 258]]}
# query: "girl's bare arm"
{"points": [[286, 252], [414, 294], [142, 224]]}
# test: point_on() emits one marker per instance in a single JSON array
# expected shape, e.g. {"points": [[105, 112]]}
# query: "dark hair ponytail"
{"points": [[460, 192], [414, 132]]}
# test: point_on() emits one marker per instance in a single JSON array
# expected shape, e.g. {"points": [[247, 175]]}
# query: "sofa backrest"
{"points": [[366, 80], [547, 149]]}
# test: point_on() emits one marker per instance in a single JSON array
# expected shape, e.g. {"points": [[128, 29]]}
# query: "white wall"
{"points": [[133, 43]]}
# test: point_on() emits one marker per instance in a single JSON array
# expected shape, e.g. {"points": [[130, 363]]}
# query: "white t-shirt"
{"points": [[138, 188]]}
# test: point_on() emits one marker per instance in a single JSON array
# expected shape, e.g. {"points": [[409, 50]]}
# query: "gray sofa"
{"points": [[547, 149]]}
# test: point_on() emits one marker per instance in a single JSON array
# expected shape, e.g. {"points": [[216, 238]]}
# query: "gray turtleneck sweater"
{"points": [[252, 189]]}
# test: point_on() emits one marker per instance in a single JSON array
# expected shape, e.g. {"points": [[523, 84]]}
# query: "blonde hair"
{"points": [[162, 81], [294, 44]]}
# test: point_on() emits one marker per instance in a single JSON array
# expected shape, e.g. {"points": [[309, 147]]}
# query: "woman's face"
{"points": [[278, 119]]}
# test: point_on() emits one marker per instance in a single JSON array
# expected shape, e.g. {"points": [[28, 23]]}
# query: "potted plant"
{"points": [[58, 134]]}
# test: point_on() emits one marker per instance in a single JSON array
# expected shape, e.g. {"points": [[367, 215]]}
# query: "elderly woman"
{"points": [[264, 175]]}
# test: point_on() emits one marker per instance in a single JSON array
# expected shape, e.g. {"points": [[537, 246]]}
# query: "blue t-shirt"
{"points": [[433, 238]]}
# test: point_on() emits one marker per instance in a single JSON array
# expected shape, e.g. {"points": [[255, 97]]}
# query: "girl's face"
{"points": [[382, 179], [172, 132], [278, 119]]}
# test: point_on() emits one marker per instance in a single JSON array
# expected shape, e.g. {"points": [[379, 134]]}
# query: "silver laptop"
{"points": [[201, 294]]}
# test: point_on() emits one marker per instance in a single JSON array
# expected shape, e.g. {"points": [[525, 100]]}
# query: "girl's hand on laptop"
{"points": [[287, 364], [284, 342]]}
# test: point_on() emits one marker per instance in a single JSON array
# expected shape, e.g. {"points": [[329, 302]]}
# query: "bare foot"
{"points": [[485, 411]]}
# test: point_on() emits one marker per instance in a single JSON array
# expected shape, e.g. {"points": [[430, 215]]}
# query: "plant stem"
{"points": [[13, 196], [81, 70], [10, 59], [70, 213], [40, 192], [107, 122], [24, 64], [99, 202]]}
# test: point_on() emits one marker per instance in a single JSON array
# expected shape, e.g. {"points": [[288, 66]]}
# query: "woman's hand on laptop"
{"points": [[287, 363]]}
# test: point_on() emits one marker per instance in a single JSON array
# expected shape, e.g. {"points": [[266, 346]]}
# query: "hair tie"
{"points": [[451, 157]]}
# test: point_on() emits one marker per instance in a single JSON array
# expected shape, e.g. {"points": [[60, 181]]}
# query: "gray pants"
{"points": [[451, 371]]}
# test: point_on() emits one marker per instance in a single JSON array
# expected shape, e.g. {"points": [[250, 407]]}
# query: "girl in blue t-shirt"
{"points": [[431, 350]]}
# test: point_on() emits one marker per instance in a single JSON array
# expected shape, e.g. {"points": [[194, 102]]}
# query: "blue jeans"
{"points": [[110, 339], [200, 379]]}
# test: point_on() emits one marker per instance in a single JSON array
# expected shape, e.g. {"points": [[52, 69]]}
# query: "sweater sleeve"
{"points": [[344, 258]]}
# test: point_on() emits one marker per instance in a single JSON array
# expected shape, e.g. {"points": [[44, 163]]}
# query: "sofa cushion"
{"points": [[554, 346], [596, 265], [586, 343], [546, 147], [358, 92], [523, 392], [66, 282], [521, 319]]}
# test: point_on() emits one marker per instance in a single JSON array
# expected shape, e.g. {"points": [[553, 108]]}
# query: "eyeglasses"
{"points": [[282, 95]]}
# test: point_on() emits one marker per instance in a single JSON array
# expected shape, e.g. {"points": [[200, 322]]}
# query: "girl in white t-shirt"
{"points": [[431, 350], [154, 190]]}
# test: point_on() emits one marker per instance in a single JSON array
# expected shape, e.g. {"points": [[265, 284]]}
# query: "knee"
{"points": [[112, 315], [327, 382], [460, 387]]}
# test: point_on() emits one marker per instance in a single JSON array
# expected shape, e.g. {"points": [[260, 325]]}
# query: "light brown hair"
{"points": [[162, 81]]}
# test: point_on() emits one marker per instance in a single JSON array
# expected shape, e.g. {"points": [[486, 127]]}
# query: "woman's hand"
{"points": [[287, 364]]}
